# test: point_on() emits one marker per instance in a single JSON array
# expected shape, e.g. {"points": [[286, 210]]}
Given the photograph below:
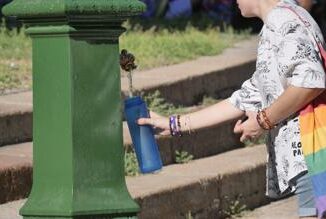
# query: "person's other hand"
{"points": [[160, 123], [249, 129]]}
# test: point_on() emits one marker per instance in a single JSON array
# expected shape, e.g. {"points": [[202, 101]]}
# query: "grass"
{"points": [[14, 45], [158, 104], [131, 164], [182, 157], [260, 140], [15, 61], [235, 208], [164, 47], [152, 47]]}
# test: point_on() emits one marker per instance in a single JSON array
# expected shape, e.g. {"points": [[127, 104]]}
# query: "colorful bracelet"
{"points": [[172, 125], [263, 120], [175, 126], [260, 123]]}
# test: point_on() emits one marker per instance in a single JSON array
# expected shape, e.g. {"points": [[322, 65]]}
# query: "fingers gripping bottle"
{"points": [[142, 136]]}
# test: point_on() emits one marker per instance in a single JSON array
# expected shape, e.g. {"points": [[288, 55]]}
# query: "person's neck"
{"points": [[265, 6]]}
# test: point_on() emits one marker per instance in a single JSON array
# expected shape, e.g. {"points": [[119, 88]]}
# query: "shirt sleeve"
{"points": [[299, 60], [247, 98]]}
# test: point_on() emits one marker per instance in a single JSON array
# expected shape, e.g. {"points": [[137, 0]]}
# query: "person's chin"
{"points": [[246, 15]]}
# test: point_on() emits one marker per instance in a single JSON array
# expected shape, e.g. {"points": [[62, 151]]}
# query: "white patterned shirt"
{"points": [[287, 55]]}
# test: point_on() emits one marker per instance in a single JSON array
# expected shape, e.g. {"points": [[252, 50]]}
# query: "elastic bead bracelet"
{"points": [[266, 123], [260, 123], [170, 125], [175, 127], [266, 119]]}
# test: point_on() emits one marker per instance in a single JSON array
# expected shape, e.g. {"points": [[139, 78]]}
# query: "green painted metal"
{"points": [[87, 217], [59, 8], [77, 124]]}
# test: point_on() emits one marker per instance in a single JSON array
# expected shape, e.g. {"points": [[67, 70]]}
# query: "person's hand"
{"points": [[159, 123], [249, 129]]}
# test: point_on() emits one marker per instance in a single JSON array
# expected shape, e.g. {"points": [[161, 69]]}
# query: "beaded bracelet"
{"points": [[266, 119], [261, 123], [172, 125], [266, 123], [175, 126]]}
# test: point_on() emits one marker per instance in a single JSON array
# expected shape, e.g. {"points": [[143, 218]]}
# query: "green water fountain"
{"points": [[77, 125]]}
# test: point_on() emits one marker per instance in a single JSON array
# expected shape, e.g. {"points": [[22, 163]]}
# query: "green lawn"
{"points": [[15, 61], [160, 48], [151, 48]]}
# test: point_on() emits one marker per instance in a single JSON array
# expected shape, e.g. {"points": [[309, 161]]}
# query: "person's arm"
{"points": [[246, 98], [290, 102], [213, 115], [305, 73], [210, 116]]}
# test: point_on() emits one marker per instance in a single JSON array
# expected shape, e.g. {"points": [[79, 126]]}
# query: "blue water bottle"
{"points": [[148, 155]]}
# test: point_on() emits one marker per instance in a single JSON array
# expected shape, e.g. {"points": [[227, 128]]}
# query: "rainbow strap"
{"points": [[313, 138]]}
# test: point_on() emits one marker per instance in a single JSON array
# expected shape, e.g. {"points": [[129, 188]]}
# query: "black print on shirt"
{"points": [[297, 148]]}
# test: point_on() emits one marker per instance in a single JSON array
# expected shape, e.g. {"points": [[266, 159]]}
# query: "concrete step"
{"points": [[186, 83], [15, 172], [16, 118], [282, 209], [203, 188], [11, 210], [202, 143], [16, 126]]}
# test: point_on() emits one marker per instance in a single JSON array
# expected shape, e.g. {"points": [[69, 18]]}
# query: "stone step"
{"points": [[184, 84], [203, 188], [282, 209], [15, 172], [16, 118], [202, 143], [16, 126]]}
